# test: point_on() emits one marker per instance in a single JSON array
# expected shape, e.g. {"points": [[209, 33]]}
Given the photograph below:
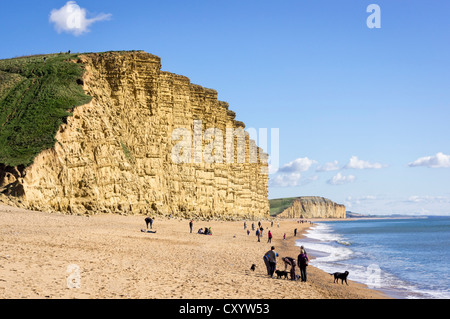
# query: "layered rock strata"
{"points": [[313, 207], [115, 154]]}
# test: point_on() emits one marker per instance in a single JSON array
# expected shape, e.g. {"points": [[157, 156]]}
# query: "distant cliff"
{"points": [[114, 154], [306, 207]]}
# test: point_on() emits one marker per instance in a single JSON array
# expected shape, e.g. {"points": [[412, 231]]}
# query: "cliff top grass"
{"points": [[36, 93], [280, 204]]}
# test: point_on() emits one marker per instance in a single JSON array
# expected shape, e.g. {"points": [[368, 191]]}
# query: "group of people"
{"points": [[270, 257], [259, 231], [206, 231], [270, 260], [203, 231]]}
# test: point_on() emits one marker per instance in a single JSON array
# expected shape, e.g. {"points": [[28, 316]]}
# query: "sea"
{"points": [[406, 258]]}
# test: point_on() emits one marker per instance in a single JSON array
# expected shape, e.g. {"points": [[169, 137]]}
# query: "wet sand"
{"points": [[116, 260]]}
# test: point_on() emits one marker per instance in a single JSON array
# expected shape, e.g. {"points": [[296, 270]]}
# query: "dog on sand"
{"points": [[340, 275], [281, 273], [253, 267]]}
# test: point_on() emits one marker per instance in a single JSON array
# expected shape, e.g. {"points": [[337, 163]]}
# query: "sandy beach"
{"points": [[40, 252]]}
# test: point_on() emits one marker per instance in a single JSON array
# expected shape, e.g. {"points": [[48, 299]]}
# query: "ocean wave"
{"points": [[360, 255], [426, 293], [322, 232], [327, 253]]}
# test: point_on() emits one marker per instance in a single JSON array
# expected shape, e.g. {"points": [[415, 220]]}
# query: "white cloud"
{"points": [[368, 197], [340, 179], [350, 201], [312, 179], [289, 175], [440, 160], [72, 18], [384, 204], [272, 169], [360, 164], [427, 199], [330, 166], [285, 180], [291, 180], [298, 165]]}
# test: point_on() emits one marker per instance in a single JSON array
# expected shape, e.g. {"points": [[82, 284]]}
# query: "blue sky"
{"points": [[362, 113]]}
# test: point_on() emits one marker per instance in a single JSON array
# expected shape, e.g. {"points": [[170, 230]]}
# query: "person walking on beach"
{"points": [[258, 234], [269, 235], [191, 224], [272, 259], [302, 263]]}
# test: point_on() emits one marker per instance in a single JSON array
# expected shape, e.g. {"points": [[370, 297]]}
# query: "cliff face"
{"points": [[115, 154], [313, 207]]}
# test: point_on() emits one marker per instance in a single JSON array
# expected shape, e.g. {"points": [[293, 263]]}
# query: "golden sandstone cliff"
{"points": [[119, 153], [313, 207]]}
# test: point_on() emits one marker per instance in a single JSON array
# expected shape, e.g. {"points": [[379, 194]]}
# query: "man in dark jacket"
{"points": [[272, 261]]}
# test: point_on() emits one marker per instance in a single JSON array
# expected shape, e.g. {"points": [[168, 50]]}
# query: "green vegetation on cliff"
{"points": [[36, 93], [280, 204], [306, 207]]}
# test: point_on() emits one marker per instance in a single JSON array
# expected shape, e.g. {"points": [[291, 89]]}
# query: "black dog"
{"points": [[281, 273], [253, 267], [340, 275]]}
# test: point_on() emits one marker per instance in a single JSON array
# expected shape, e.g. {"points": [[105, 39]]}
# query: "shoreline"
{"points": [[290, 248], [344, 247], [384, 293], [118, 261]]}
